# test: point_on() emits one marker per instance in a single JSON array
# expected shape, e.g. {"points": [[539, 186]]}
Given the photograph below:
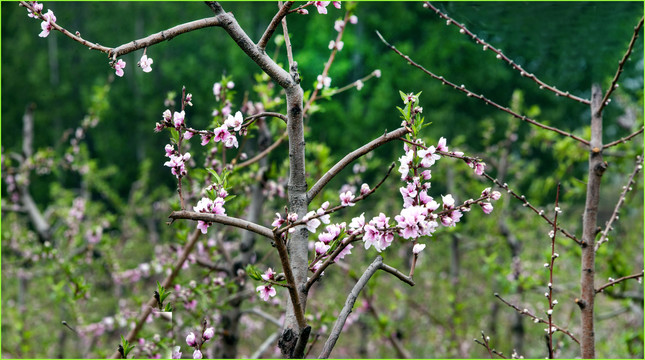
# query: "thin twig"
{"points": [[623, 140], [525, 202], [614, 282], [331, 259], [320, 184], [284, 10], [501, 56], [136, 44], [621, 65], [551, 265], [469, 93], [485, 343], [621, 201], [328, 63], [536, 319]]}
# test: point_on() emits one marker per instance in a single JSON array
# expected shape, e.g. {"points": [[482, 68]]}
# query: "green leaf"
{"points": [[253, 272]]}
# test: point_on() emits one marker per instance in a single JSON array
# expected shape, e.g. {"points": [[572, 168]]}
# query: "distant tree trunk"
{"points": [[231, 318]]}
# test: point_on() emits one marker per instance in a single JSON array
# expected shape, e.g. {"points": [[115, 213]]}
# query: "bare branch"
{"points": [[226, 220], [623, 140], [621, 65], [164, 35], [469, 93], [284, 10], [536, 319], [320, 184], [136, 44], [486, 343], [614, 282], [501, 56], [230, 25], [349, 304], [405, 278], [621, 200]]}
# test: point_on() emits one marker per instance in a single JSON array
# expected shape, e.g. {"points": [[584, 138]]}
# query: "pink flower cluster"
{"points": [[267, 291], [321, 6], [192, 341], [177, 162], [48, 18], [222, 133], [206, 205]]}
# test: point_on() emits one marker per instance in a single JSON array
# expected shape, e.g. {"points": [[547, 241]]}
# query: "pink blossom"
{"points": [[338, 45], [338, 25], [46, 25], [220, 133], [189, 96], [372, 237], [377, 73], [292, 217], [411, 222], [346, 199], [359, 85], [278, 221], [321, 247], [417, 248], [178, 119], [326, 237], [191, 340], [169, 150], [336, 4], [205, 139], [321, 6], [346, 251], [323, 82], [357, 224], [176, 354], [177, 164], [353, 19], [303, 11], [119, 66], [235, 122], [448, 201], [365, 189], [217, 89], [230, 85], [197, 354], [191, 305], [441, 146], [230, 141], [38, 8], [428, 156], [269, 274], [495, 195], [487, 207], [145, 63], [312, 224], [265, 292], [209, 333]]}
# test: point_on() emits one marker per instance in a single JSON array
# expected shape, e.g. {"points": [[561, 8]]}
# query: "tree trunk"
{"points": [[589, 223]]}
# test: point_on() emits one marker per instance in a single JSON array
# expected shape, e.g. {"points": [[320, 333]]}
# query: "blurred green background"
{"points": [[568, 45]]}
